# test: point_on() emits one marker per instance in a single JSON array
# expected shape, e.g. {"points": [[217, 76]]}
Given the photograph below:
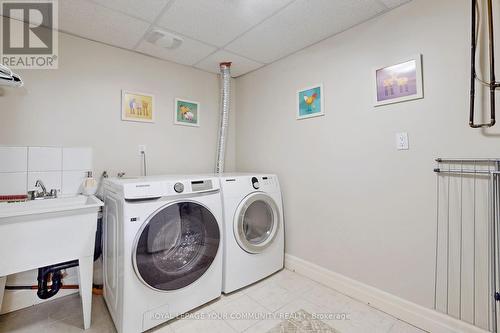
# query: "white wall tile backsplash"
{"points": [[12, 183], [44, 159], [72, 181], [58, 168], [13, 159], [51, 180]]}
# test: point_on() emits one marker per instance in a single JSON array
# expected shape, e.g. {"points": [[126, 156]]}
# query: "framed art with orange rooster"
{"points": [[310, 102]]}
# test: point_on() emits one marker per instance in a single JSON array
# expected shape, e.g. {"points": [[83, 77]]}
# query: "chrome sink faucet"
{"points": [[41, 194], [40, 184]]}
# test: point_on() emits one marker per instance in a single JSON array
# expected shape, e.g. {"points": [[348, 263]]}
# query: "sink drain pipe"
{"points": [[225, 101], [49, 274], [53, 274]]}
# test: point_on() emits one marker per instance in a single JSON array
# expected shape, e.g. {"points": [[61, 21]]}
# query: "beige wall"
{"points": [[353, 203], [79, 105]]}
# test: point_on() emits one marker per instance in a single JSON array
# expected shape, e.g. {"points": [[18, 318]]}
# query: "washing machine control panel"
{"points": [[144, 190], [153, 189], [202, 185]]}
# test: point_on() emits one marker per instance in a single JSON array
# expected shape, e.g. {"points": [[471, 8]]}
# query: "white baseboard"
{"points": [[414, 314], [14, 300]]}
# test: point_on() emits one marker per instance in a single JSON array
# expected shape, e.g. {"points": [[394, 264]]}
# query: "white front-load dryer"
{"points": [[162, 248], [254, 229]]}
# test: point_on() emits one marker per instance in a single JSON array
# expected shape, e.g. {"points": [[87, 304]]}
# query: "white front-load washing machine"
{"points": [[254, 229], [162, 248]]}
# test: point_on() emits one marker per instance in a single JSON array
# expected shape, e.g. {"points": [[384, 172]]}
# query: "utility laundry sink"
{"points": [[40, 233], [70, 205]]}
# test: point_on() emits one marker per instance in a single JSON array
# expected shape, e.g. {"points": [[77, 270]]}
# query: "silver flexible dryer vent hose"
{"points": [[225, 101]]}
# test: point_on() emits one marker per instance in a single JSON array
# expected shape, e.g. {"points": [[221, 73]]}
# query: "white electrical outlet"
{"points": [[141, 149], [402, 142]]}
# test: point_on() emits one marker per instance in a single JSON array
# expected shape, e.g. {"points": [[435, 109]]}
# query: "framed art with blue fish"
{"points": [[310, 102], [187, 113], [138, 106]]}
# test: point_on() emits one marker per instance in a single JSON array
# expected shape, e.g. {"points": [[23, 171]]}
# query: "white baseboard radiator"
{"points": [[467, 281]]}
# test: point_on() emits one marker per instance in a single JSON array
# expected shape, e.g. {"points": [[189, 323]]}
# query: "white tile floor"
{"points": [[273, 298]]}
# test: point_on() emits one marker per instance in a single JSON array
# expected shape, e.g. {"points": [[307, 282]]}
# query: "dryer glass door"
{"points": [[257, 222], [176, 246]]}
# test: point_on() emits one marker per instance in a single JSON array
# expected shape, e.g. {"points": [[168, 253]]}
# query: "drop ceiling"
{"points": [[250, 33]]}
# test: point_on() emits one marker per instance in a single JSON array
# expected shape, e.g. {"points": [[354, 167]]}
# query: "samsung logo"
{"points": [[145, 185]]}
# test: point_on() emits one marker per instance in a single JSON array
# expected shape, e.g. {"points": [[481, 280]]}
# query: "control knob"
{"points": [[255, 183], [179, 187]]}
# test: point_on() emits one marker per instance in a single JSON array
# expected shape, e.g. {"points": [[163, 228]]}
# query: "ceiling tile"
{"points": [[217, 21], [98, 23], [145, 10], [189, 53], [394, 3], [301, 24], [239, 67]]}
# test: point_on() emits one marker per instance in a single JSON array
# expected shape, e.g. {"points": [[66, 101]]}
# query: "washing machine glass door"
{"points": [[176, 245], [257, 221]]}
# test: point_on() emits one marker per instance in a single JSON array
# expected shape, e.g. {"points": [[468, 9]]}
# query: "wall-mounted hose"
{"points": [[225, 101]]}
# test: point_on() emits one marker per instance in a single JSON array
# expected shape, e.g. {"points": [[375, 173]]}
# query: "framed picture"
{"points": [[187, 113], [399, 82], [137, 106], [310, 102]]}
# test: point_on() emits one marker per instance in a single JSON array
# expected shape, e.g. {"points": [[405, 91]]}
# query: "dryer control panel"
{"points": [[237, 184], [269, 181], [255, 183]]}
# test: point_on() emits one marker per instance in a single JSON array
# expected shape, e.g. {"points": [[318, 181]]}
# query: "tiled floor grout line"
{"points": [[286, 292], [351, 298]]}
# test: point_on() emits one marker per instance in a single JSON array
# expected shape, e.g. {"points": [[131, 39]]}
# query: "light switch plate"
{"points": [[402, 142]]}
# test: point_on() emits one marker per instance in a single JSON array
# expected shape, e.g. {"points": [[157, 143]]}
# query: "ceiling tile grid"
{"points": [[301, 24], [394, 3], [88, 20], [188, 53], [250, 33], [217, 21], [240, 66], [146, 10]]}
